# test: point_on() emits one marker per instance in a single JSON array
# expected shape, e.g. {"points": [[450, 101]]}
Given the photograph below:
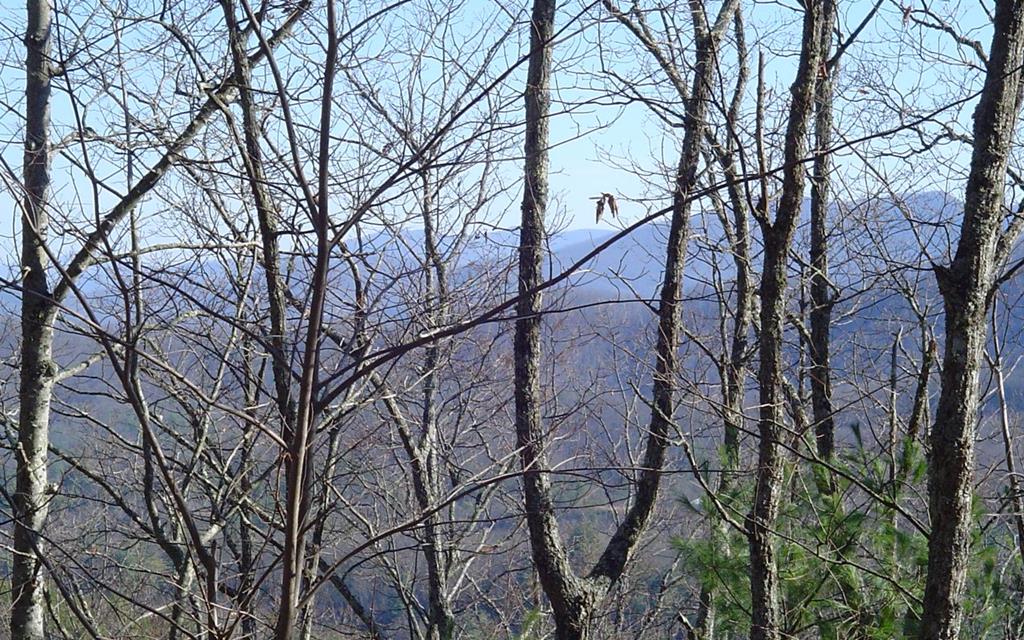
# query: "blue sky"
{"points": [[623, 149]]}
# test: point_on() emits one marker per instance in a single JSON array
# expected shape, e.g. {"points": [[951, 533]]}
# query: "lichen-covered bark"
{"points": [[569, 599], [966, 287], [778, 236], [37, 316], [821, 296]]}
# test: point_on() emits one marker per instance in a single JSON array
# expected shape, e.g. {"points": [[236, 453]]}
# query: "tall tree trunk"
{"points": [[967, 287], [566, 592], [574, 599], [441, 624], [40, 306], [734, 368], [266, 213], [778, 236], [821, 296], [300, 446], [38, 313], [822, 299]]}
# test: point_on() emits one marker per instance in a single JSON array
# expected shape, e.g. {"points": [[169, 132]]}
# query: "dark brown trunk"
{"points": [[298, 457], [573, 599]]}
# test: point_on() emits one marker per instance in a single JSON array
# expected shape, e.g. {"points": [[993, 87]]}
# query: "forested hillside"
{"points": [[599, 320]]}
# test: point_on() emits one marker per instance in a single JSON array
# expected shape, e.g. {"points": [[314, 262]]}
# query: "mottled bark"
{"points": [[821, 294], [441, 617], [37, 317], [966, 287], [734, 369], [778, 236], [569, 598], [574, 598]]}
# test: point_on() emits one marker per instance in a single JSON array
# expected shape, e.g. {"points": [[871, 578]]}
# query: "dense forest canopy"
{"points": [[424, 320]]}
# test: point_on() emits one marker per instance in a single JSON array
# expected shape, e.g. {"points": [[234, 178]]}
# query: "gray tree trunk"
{"points": [[967, 287], [564, 590], [734, 369], [821, 296], [37, 317], [40, 305], [426, 474], [573, 598], [778, 236]]}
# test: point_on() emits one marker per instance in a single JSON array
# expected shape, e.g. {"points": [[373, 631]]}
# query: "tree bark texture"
{"points": [[38, 313], [966, 286], [573, 598], [821, 295], [778, 237]]}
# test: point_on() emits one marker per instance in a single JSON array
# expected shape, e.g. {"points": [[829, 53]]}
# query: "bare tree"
{"points": [[41, 303], [285, 372], [967, 286], [820, 289], [778, 235], [37, 316], [575, 599]]}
